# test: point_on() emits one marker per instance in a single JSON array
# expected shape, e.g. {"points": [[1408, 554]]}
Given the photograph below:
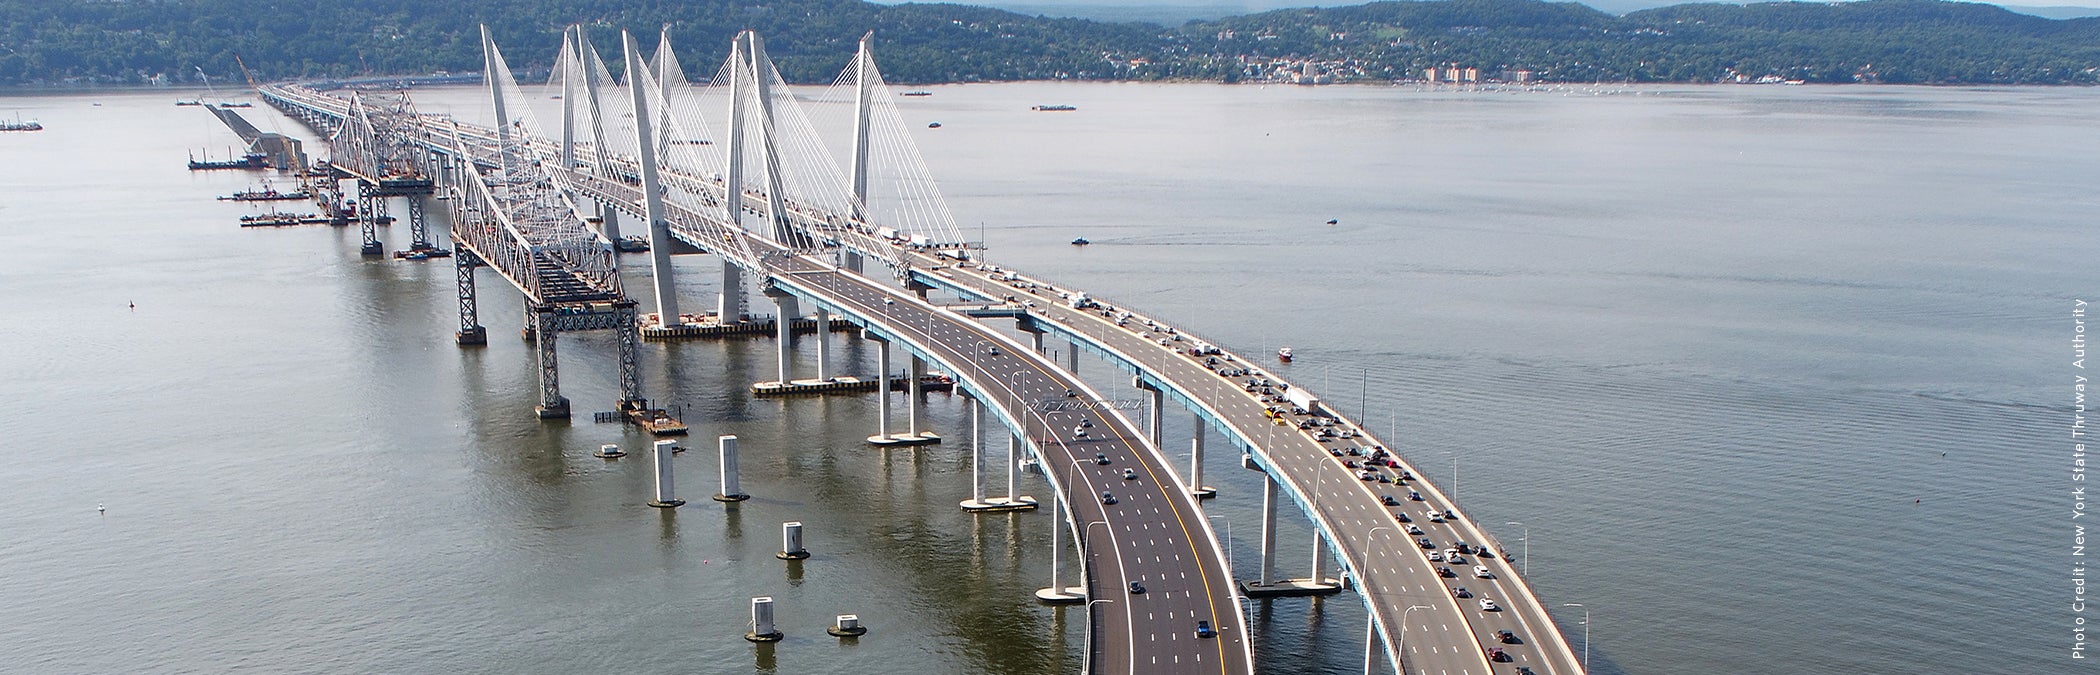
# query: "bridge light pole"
{"points": [[1585, 634], [1401, 649], [1527, 546]]}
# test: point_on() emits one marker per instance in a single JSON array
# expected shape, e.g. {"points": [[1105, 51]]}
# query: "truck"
{"points": [[921, 240], [1304, 400], [1078, 300]]}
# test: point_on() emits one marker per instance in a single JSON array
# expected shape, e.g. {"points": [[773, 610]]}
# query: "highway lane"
{"points": [[1153, 534], [1453, 634]]}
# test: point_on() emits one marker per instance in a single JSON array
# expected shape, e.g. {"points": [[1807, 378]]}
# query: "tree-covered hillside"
{"points": [[50, 41]]}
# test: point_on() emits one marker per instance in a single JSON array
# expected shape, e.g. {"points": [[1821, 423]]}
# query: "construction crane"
{"points": [[245, 73]]}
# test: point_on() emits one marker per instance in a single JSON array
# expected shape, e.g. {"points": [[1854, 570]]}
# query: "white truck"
{"points": [[1304, 400]]}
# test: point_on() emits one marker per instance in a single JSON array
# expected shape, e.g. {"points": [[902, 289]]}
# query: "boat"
{"points": [[1081, 242], [253, 160], [916, 93], [1052, 108], [1284, 354], [933, 125], [189, 101], [266, 193], [236, 104], [277, 219], [19, 124]]}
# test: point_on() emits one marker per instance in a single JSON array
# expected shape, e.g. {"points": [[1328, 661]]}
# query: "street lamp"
{"points": [[1527, 546], [1228, 539], [1454, 476], [1585, 634], [1402, 648]]}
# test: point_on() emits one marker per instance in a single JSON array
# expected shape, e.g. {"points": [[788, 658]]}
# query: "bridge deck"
{"points": [[1390, 570]]}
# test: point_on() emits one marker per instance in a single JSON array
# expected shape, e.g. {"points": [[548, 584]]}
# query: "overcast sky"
{"points": [[1246, 6]]}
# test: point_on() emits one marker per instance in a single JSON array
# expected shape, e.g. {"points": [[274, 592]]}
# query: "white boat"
{"points": [[1284, 354]]}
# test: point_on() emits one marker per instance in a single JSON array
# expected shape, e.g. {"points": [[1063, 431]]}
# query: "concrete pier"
{"points": [[731, 492], [791, 542], [1196, 487], [762, 629], [1057, 593], [666, 488], [1010, 502]]}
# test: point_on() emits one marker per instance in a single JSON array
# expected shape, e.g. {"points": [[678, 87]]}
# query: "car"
{"points": [[1435, 517], [1414, 530], [1488, 605], [1100, 458], [1388, 500], [1454, 558], [1425, 543], [1402, 517], [1450, 515], [1436, 556], [1107, 498], [1071, 394], [1446, 572], [1484, 553], [1497, 655], [1505, 637], [1481, 572], [1414, 496], [992, 350], [1461, 592], [1462, 547], [1203, 630], [1087, 423], [1137, 588], [1079, 431], [1382, 478], [1130, 474]]}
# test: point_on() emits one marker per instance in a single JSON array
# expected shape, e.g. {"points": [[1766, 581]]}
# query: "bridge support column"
{"points": [[1196, 487], [915, 399], [369, 209], [418, 228], [731, 491], [784, 329], [762, 629], [731, 305], [851, 261], [609, 222], [627, 333], [1072, 357], [1268, 529], [1154, 400], [882, 388], [1058, 593], [823, 339], [666, 487], [978, 502], [791, 542], [470, 330], [552, 404]]}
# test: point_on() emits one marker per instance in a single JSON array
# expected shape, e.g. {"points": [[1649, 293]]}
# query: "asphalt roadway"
{"points": [[1445, 635], [1153, 534]]}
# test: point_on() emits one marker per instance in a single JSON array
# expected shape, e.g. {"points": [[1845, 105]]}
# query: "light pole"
{"points": [[1228, 540], [1401, 649], [1527, 547], [1585, 634]]}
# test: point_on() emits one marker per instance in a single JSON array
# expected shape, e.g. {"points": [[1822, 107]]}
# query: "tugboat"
{"points": [[1081, 242], [933, 125], [1284, 354], [916, 93], [1052, 108]]}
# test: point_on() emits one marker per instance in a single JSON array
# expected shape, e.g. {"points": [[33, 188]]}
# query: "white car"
{"points": [[1488, 605], [1436, 557], [1481, 572]]}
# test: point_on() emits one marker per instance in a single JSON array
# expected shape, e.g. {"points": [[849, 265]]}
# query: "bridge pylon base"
{"points": [[474, 336], [1204, 492], [892, 440], [997, 504], [557, 410], [1069, 595], [373, 248]]}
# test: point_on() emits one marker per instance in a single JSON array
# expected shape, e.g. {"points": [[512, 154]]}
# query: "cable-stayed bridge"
{"points": [[733, 167]]}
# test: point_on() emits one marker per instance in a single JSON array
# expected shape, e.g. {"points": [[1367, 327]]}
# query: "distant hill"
{"points": [[2057, 12], [46, 41]]}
